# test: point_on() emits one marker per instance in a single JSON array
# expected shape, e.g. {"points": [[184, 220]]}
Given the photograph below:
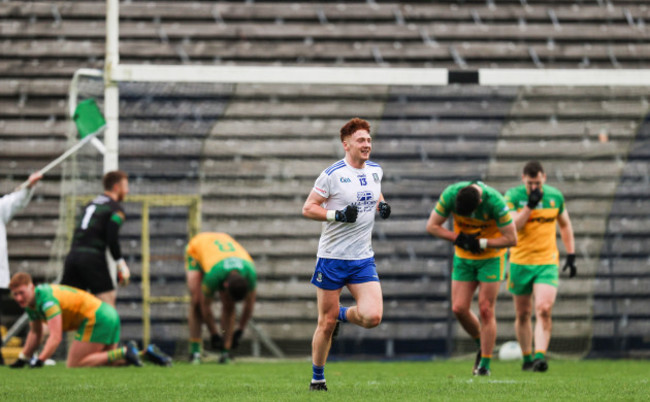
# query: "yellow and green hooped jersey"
{"points": [[213, 250], [491, 214], [74, 305], [537, 244]]}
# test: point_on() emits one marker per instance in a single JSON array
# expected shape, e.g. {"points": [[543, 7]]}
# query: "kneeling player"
{"points": [[66, 308], [216, 262]]}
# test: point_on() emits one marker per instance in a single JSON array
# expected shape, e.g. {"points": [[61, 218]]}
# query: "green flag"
{"points": [[88, 118]]}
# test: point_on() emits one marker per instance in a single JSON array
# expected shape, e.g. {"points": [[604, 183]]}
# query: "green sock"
{"points": [[195, 346], [540, 355], [485, 362], [528, 358], [478, 341], [116, 354]]}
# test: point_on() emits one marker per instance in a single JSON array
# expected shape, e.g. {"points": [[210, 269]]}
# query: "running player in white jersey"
{"points": [[345, 197]]}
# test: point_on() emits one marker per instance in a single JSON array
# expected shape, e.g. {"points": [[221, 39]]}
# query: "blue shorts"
{"points": [[333, 274]]}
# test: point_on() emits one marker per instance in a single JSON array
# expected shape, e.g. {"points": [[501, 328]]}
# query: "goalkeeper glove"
{"points": [[216, 342], [534, 198], [123, 272], [571, 265], [347, 214], [469, 242], [36, 363], [384, 210], [236, 337], [21, 362]]}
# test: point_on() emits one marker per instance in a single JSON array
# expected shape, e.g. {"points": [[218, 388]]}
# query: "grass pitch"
{"points": [[348, 381]]}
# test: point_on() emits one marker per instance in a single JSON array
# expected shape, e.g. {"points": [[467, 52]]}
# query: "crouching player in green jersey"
{"points": [[483, 229], [65, 308], [536, 207]]}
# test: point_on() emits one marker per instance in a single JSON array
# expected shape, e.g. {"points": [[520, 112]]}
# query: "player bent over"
{"points": [[536, 207], [66, 308], [216, 262], [483, 229], [345, 197]]}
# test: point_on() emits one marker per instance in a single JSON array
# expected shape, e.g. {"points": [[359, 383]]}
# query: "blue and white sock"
{"points": [[343, 314], [318, 373]]}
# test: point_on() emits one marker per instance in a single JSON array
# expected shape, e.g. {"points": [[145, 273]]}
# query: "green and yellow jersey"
{"points": [[217, 254], [74, 305], [536, 243], [491, 214]]}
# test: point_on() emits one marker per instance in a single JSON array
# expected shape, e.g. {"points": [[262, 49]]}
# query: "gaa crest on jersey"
{"points": [[552, 202], [375, 177], [345, 180]]}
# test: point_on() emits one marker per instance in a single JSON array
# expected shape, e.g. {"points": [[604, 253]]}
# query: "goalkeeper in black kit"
{"points": [[97, 229]]}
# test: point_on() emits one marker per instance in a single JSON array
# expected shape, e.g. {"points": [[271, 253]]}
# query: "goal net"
{"points": [[251, 153]]}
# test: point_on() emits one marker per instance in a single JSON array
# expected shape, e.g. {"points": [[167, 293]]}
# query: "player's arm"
{"points": [[383, 207], [508, 237], [521, 217], [566, 232], [113, 242], [313, 209], [247, 312], [435, 227], [33, 338], [227, 319], [55, 325]]}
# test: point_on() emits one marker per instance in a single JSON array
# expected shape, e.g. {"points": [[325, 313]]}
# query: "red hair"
{"points": [[20, 279], [353, 126]]}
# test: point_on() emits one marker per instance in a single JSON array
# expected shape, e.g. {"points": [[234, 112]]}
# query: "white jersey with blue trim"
{"points": [[343, 185]]}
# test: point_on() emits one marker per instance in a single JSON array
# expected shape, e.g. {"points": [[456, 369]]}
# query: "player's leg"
{"points": [[328, 310], [490, 274], [461, 301], [89, 354], [194, 318], [369, 309], [520, 284], [487, 297], [545, 295], [363, 283], [97, 278], [524, 328]]}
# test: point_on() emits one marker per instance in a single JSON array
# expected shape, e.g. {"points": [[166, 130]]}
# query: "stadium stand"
{"points": [[255, 151]]}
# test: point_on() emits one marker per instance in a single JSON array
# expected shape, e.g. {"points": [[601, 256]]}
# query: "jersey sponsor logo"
{"points": [[364, 196], [542, 220], [375, 177], [48, 304], [345, 180]]}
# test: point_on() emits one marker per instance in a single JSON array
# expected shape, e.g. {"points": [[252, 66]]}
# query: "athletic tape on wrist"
{"points": [[482, 243], [331, 215]]}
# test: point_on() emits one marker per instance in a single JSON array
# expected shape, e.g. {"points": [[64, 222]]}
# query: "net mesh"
{"points": [[252, 153]]}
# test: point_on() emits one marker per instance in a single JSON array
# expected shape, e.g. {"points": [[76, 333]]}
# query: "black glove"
{"points": [[347, 214], [468, 242], [36, 363], [534, 198], [571, 265], [216, 342], [236, 337], [384, 210], [19, 363]]}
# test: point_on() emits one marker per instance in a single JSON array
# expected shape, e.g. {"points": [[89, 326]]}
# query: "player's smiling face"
{"points": [[23, 295], [358, 146]]}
